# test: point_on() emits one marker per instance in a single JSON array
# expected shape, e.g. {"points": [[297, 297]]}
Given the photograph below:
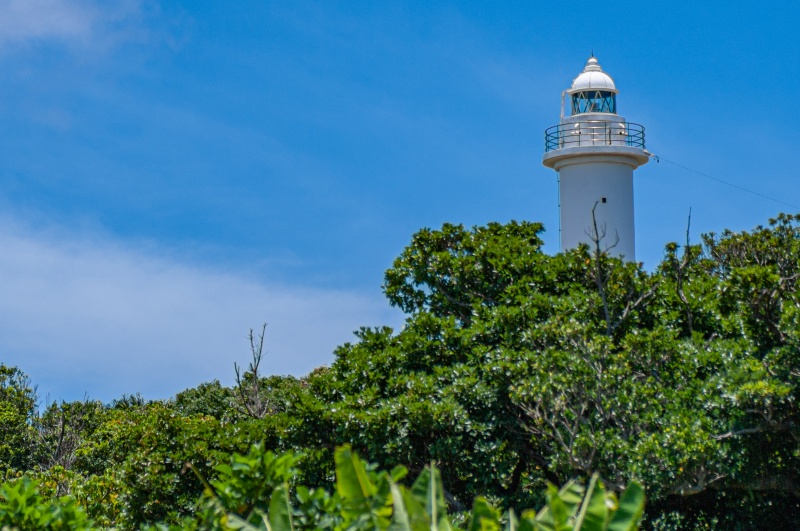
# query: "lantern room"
{"points": [[593, 91]]}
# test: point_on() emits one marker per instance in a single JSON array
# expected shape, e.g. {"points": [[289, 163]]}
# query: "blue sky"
{"points": [[175, 173]]}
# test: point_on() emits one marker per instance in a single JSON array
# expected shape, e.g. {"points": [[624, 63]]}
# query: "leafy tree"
{"points": [[209, 398], [17, 411], [448, 272], [23, 508], [515, 367], [61, 429], [142, 453]]}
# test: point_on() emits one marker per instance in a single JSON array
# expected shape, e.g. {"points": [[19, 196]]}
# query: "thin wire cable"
{"points": [[742, 188]]}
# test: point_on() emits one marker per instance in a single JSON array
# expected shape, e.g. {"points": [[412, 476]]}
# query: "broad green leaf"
{"points": [[527, 521], [570, 496], [427, 489], [400, 519], [511, 522], [593, 513], [558, 511], [352, 482], [236, 523], [280, 510], [398, 473], [420, 519], [631, 508], [484, 516]]}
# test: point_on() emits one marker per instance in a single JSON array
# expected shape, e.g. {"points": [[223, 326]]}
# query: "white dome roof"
{"points": [[593, 77]]}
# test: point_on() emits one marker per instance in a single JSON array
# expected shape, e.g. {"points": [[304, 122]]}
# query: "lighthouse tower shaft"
{"points": [[594, 151]]}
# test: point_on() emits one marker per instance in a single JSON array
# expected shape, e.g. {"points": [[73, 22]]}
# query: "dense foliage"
{"points": [[513, 369], [258, 492]]}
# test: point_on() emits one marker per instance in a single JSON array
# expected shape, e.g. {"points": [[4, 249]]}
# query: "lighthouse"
{"points": [[594, 150]]}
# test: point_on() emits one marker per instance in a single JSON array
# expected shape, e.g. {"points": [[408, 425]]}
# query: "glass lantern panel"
{"points": [[594, 101]]}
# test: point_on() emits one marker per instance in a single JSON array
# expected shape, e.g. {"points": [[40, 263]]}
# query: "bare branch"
{"points": [[600, 266], [249, 396], [681, 276], [737, 433]]}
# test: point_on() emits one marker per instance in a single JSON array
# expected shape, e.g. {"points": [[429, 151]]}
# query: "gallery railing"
{"points": [[593, 133]]}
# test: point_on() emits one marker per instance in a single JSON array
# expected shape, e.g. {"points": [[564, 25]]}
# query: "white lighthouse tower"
{"points": [[594, 151]]}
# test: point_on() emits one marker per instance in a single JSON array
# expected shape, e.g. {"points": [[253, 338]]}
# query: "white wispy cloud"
{"points": [[88, 315], [26, 19], [88, 23]]}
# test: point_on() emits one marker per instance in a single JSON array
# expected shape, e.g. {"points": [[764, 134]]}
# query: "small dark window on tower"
{"points": [[603, 199]]}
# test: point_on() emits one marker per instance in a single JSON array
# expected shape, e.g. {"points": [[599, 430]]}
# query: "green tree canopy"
{"points": [[513, 369]]}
